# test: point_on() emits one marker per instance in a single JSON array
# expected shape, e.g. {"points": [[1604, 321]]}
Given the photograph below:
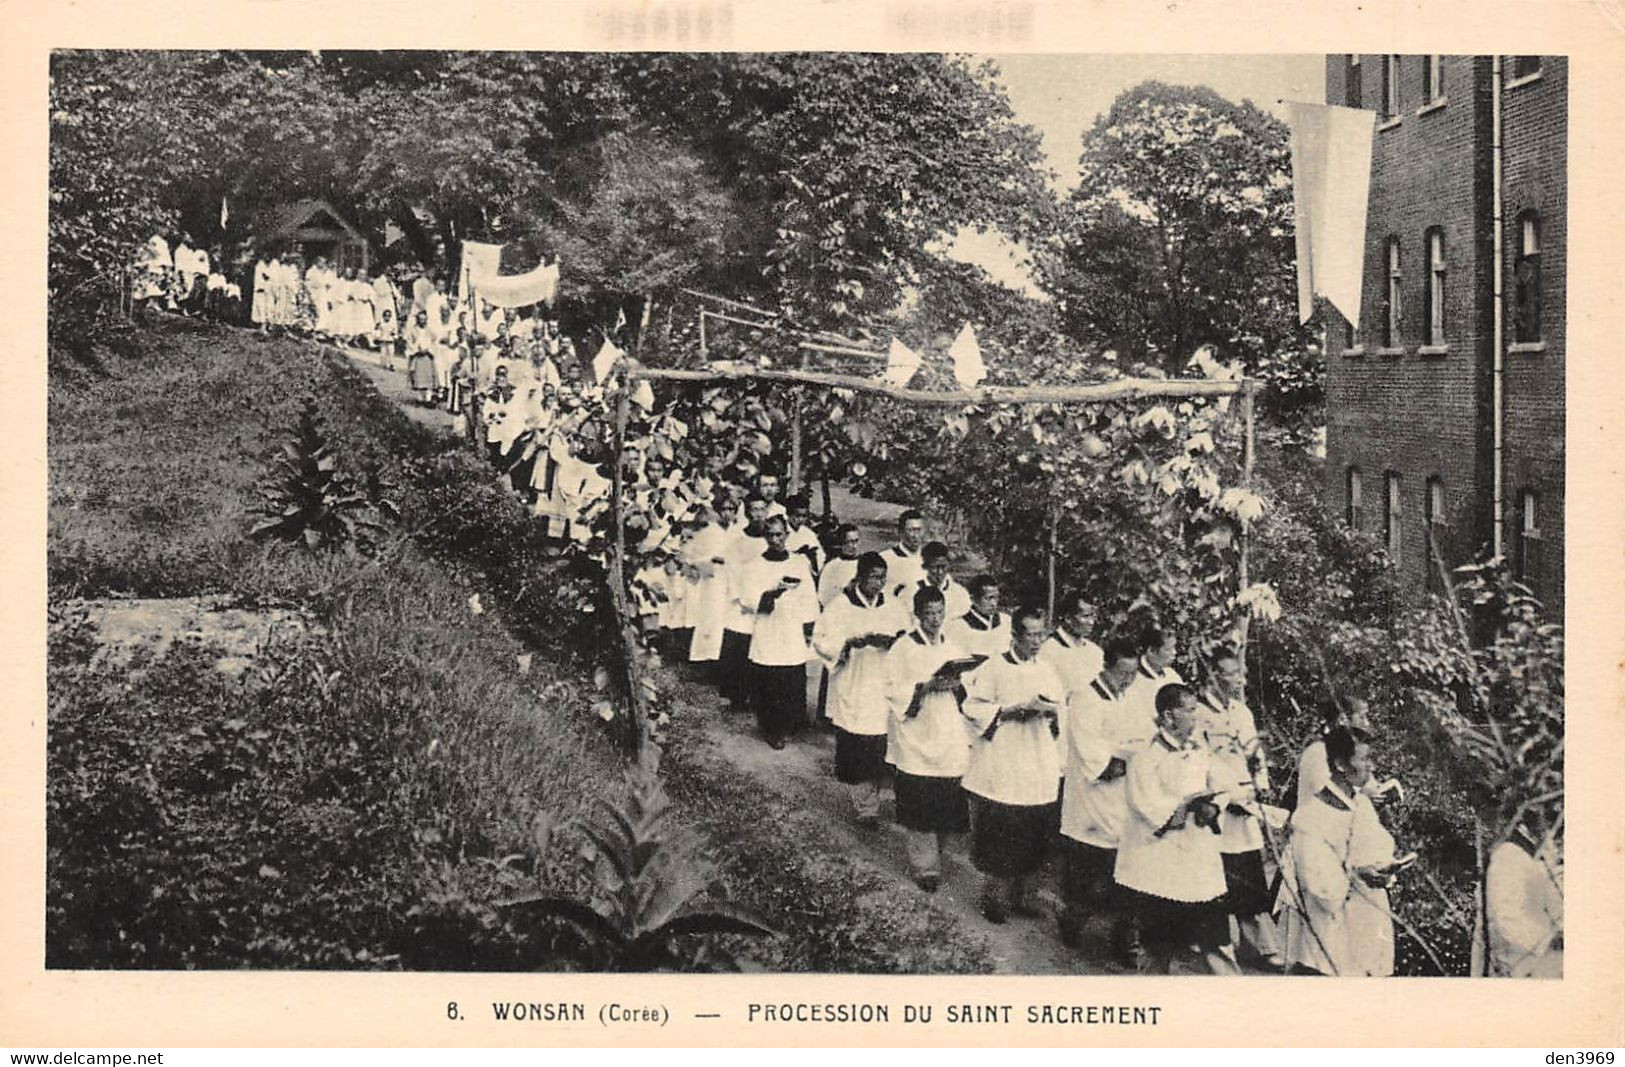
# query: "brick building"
{"points": [[1411, 390]]}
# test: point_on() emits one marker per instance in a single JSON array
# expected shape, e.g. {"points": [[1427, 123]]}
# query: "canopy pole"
{"points": [[1054, 545], [795, 434], [624, 619], [1243, 538]]}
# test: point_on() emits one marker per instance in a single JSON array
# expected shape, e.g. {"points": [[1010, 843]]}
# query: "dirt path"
{"points": [[802, 774]]}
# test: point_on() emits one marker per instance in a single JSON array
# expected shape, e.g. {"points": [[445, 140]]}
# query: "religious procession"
{"points": [[619, 550], [1043, 743]]}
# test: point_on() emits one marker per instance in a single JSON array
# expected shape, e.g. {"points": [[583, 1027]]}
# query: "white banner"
{"points": [[1331, 185], [480, 269]]}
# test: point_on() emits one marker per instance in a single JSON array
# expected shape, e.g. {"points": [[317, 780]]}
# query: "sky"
{"points": [[1061, 96]]}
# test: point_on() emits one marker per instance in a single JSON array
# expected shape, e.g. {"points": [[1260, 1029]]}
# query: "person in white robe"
{"points": [[1071, 653], [777, 589], [852, 637], [1158, 647], [930, 738], [1098, 742], [934, 559], [1015, 772], [842, 567], [259, 308], [738, 623], [983, 630], [1314, 771], [1523, 901], [903, 564], [708, 557], [1168, 857], [1332, 924], [1225, 724]]}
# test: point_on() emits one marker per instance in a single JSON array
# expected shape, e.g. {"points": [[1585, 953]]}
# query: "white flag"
{"points": [[605, 360], [969, 369], [1331, 185], [644, 395], [901, 363]]}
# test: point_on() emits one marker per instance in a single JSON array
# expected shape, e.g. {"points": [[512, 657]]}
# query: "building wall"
{"points": [[1535, 153], [1407, 408], [1428, 414]]}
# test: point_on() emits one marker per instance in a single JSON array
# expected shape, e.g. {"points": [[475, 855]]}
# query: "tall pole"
{"points": [[1242, 538], [624, 619], [795, 432], [1054, 546]]}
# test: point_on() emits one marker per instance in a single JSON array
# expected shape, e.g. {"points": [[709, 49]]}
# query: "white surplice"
{"points": [[1179, 863], [857, 700], [1012, 762]]}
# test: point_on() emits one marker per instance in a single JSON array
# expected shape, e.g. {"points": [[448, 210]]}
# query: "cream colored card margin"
{"points": [[49, 1010]]}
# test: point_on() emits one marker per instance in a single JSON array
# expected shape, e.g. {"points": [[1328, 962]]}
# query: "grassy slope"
{"points": [[350, 804]]}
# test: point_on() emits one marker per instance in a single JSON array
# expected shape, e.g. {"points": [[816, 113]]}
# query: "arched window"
{"points": [[1526, 280], [1356, 505], [1390, 86], [1352, 95], [1433, 289]]}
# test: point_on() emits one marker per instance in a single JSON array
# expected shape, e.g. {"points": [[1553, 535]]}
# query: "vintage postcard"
{"points": [[906, 524]]}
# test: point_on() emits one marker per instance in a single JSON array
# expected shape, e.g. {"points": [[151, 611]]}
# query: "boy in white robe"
{"points": [[777, 588], [1225, 724], [1015, 772], [930, 738], [1098, 740], [1168, 858], [852, 637]]}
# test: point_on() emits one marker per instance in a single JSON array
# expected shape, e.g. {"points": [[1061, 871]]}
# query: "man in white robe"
{"points": [[1014, 774], [930, 738], [1325, 880], [983, 630], [934, 559], [1523, 902], [1168, 858], [903, 564], [777, 590], [1225, 724], [1098, 742], [740, 620], [1158, 647], [852, 637], [842, 567], [708, 558], [1071, 653]]}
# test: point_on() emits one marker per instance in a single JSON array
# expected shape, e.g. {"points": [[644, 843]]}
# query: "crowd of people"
{"points": [[1045, 741]]}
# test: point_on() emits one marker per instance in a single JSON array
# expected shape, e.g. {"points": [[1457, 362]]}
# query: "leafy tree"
{"points": [[1179, 236]]}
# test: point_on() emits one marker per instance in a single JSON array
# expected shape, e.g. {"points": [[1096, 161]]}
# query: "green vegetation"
{"points": [[369, 791]]}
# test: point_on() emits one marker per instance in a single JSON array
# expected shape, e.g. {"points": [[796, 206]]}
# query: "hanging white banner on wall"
{"points": [[1331, 186]]}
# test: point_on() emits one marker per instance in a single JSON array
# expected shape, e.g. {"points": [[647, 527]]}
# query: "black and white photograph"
{"points": [[842, 513], [697, 533]]}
